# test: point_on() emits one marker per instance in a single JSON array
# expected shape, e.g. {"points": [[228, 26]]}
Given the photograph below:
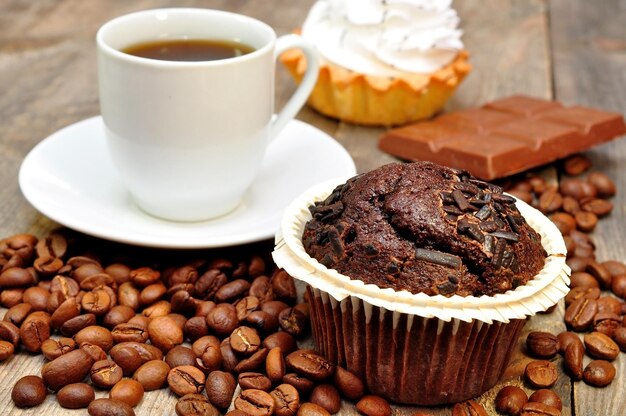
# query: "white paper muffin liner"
{"points": [[546, 289]]}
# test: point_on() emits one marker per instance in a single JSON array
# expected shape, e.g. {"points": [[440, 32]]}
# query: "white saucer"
{"points": [[70, 178]]}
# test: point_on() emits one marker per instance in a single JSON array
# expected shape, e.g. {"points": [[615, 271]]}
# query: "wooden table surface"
{"points": [[572, 50]]}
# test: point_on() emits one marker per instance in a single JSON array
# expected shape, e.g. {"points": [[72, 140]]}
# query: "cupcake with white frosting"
{"points": [[384, 62]]}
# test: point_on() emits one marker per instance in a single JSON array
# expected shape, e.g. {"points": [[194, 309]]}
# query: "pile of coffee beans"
{"points": [[595, 308], [220, 332]]}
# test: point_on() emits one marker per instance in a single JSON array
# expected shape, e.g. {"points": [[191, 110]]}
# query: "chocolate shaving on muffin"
{"points": [[425, 228]]}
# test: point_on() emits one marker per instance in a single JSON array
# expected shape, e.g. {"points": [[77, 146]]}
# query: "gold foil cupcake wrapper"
{"points": [[544, 290]]}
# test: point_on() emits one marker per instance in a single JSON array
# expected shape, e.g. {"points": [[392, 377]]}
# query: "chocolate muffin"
{"points": [[424, 228]]}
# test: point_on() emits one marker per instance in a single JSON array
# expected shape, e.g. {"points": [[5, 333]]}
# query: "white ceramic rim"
{"points": [[546, 289], [132, 18]]}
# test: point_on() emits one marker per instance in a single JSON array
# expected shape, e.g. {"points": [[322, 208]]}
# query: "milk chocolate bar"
{"points": [[504, 137]]}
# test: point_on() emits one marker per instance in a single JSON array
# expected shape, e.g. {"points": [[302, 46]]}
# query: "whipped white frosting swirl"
{"points": [[385, 37]]}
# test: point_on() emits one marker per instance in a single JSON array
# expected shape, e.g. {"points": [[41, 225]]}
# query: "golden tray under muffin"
{"points": [[377, 100]]}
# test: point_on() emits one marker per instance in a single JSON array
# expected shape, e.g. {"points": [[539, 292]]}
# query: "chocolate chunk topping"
{"points": [[437, 257], [461, 201], [483, 213], [507, 235]]}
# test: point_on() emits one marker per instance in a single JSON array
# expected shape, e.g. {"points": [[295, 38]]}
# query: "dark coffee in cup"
{"points": [[188, 50]]}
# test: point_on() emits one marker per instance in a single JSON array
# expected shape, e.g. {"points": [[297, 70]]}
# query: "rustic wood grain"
{"points": [[589, 58], [48, 80]]}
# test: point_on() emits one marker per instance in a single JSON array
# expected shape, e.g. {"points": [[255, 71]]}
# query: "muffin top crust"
{"points": [[424, 228]]}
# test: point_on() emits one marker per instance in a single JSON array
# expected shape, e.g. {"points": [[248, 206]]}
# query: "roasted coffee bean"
{"points": [[76, 396], [251, 380], [620, 338], [220, 388], [510, 400], [67, 369], [606, 323], [310, 365], [284, 286], [109, 407], [37, 297], [541, 374], [261, 288], [54, 348], [577, 264], [286, 400], [302, 384], [564, 222], [377, 406], [576, 164], [581, 292], [579, 315], [599, 373], [311, 409], [119, 272], [9, 333], [539, 409], [616, 268], [127, 332], [144, 321], [275, 365], [18, 313], [586, 221], [604, 185], [128, 295], [286, 342], [255, 403], [327, 396], [583, 279], [127, 391], [618, 285], [94, 351], [601, 346], [547, 397], [33, 332], [67, 310], [152, 375], [164, 333], [186, 379], [274, 307], [195, 405], [152, 293], [72, 326], [349, 384], [6, 350], [119, 314], [229, 359], [29, 391], [144, 276], [608, 304], [160, 308], [127, 358], [577, 188], [293, 321], [245, 306], [11, 297], [252, 363], [245, 340], [542, 344], [96, 335], [97, 302], [16, 277], [180, 355], [600, 273], [256, 267], [599, 207], [209, 283], [223, 319], [232, 290], [195, 327], [573, 358], [550, 201], [262, 321], [105, 373]]}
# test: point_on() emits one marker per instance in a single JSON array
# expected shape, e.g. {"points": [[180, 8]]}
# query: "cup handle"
{"points": [[301, 94]]}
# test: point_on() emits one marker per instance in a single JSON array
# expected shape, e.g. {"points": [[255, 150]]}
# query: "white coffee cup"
{"points": [[188, 138]]}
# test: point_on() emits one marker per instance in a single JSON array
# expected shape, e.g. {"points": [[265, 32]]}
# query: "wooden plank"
{"points": [[589, 50]]}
